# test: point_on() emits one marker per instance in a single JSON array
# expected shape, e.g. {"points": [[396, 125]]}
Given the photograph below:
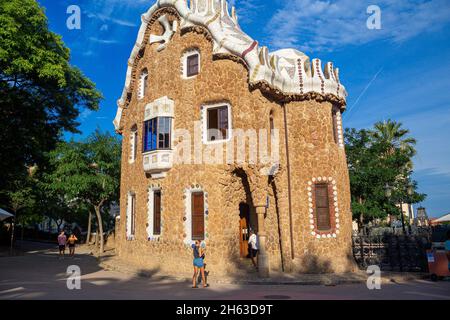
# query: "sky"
{"points": [[400, 71]]}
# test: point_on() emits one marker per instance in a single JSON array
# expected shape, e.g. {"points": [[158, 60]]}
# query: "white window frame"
{"points": [[129, 216], [150, 214], [184, 59], [204, 112], [133, 145], [188, 214], [141, 93]]}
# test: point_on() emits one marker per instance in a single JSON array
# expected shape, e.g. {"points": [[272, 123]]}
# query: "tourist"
{"points": [[199, 255], [447, 248], [253, 247], [71, 241], [62, 241]]}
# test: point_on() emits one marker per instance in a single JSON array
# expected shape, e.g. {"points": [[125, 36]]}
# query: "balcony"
{"points": [[158, 162]]}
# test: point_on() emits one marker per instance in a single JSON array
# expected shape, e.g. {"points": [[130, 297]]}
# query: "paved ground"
{"points": [[38, 274]]}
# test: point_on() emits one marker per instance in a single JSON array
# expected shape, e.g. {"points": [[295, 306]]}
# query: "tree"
{"points": [[41, 94], [396, 137], [376, 158], [89, 172]]}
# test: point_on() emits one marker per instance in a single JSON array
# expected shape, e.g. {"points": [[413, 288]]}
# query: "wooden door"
{"points": [[157, 213], [198, 216], [322, 207], [244, 229]]}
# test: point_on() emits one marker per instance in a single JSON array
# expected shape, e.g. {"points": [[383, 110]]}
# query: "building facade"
{"points": [[220, 137]]}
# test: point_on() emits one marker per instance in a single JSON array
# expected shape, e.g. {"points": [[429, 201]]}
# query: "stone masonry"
{"points": [[308, 153]]}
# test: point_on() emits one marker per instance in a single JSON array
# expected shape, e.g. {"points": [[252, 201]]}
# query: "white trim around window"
{"points": [[150, 214], [184, 66], [130, 217], [188, 213], [133, 144], [204, 119], [143, 83]]}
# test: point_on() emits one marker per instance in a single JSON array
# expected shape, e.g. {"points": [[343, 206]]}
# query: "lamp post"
{"points": [[410, 192], [388, 193]]}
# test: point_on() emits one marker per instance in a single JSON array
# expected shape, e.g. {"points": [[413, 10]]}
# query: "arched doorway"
{"points": [[244, 229]]}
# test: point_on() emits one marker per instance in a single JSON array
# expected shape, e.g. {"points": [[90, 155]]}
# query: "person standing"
{"points": [[199, 264], [71, 241], [253, 246], [62, 241]]}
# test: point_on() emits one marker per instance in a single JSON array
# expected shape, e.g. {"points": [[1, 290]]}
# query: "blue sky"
{"points": [[401, 71]]}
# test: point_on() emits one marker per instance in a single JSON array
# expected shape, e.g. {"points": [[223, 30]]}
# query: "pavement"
{"points": [[250, 277], [39, 274]]}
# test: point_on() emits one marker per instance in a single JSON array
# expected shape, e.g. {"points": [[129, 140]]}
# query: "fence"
{"points": [[404, 253]]}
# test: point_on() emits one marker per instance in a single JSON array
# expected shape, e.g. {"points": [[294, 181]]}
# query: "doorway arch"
{"points": [[244, 229]]}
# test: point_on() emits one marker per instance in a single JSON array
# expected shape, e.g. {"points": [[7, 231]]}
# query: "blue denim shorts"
{"points": [[198, 262]]}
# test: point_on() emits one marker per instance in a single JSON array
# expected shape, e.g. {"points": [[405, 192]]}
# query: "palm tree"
{"points": [[391, 132]]}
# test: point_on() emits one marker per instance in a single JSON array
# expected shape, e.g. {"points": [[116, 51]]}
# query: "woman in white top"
{"points": [[253, 247]]}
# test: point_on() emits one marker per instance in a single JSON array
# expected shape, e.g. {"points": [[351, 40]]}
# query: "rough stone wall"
{"points": [[312, 150], [222, 80], [314, 153]]}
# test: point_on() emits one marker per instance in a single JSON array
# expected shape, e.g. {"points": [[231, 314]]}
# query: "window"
{"points": [[157, 134], [192, 65], [323, 221], [335, 124], [271, 125], [131, 216], [217, 123], [157, 213], [143, 80], [133, 143], [198, 216]]}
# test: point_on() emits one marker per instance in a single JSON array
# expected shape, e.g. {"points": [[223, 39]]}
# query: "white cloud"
{"points": [[103, 41], [117, 21], [326, 25], [246, 10]]}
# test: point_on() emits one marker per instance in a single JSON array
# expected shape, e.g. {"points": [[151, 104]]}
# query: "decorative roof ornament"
{"points": [[169, 30], [289, 72]]}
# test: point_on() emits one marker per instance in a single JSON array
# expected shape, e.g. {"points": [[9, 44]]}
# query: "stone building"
{"points": [[221, 136]]}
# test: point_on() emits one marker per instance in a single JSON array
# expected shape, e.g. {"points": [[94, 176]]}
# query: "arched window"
{"points": [[143, 80], [133, 143]]}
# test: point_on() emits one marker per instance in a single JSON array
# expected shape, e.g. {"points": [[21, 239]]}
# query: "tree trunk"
{"points": [[13, 224], [100, 228], [88, 236], [58, 225]]}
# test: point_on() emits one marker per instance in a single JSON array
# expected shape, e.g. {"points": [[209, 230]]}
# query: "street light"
{"points": [[388, 190], [410, 191], [388, 193]]}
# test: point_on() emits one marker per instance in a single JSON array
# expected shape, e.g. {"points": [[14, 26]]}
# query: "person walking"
{"points": [[199, 265], [253, 247], [62, 241], [71, 241]]}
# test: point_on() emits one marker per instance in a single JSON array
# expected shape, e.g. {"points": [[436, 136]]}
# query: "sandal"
{"points": [[206, 286], [195, 287]]}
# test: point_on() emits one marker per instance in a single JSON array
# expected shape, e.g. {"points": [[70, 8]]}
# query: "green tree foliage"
{"points": [[378, 158], [87, 172], [41, 94]]}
